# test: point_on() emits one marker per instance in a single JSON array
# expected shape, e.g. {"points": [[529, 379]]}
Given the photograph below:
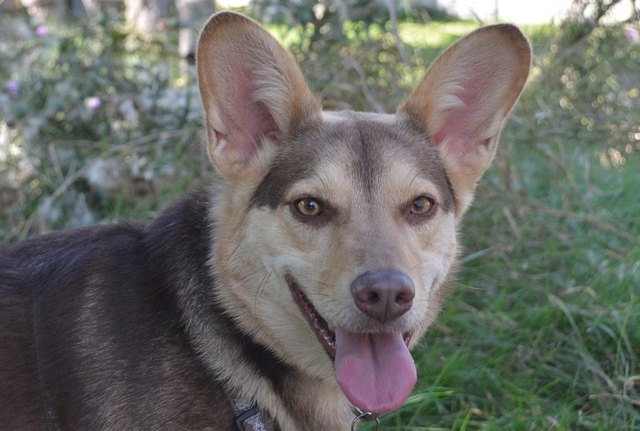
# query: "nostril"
{"points": [[367, 296], [373, 297], [405, 296]]}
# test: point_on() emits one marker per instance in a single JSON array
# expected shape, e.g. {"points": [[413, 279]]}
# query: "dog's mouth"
{"points": [[374, 370], [320, 327]]}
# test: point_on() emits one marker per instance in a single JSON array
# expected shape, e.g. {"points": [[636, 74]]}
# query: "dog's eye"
{"points": [[420, 209], [422, 205], [308, 207]]}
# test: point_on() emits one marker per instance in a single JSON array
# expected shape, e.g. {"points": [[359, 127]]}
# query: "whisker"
{"points": [[260, 289]]}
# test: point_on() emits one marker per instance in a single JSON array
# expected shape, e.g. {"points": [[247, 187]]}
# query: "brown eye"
{"points": [[308, 207], [422, 205]]}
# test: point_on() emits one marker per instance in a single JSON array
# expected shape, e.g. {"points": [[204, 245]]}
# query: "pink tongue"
{"points": [[375, 371]]}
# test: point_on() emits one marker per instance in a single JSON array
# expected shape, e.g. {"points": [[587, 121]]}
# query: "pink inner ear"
{"points": [[457, 140], [249, 130], [464, 124], [249, 121]]}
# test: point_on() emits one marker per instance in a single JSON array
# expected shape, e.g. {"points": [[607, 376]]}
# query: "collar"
{"points": [[249, 418]]}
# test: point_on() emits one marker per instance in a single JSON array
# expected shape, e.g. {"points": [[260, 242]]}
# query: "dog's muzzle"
{"points": [[374, 369]]}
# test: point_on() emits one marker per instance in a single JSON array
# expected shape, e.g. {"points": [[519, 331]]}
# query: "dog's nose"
{"points": [[383, 295]]}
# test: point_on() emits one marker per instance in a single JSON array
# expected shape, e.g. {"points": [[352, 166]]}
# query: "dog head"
{"points": [[336, 231]]}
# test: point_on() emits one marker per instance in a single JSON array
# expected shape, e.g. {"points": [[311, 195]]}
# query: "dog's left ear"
{"points": [[253, 93], [464, 99]]}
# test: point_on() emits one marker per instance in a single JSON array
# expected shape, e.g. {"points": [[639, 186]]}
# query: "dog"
{"points": [[288, 295]]}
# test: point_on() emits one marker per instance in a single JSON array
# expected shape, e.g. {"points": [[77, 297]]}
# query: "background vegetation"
{"points": [[542, 330]]}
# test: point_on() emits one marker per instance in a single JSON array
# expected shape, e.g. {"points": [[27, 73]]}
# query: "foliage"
{"points": [[320, 35], [87, 114], [588, 15], [543, 327]]}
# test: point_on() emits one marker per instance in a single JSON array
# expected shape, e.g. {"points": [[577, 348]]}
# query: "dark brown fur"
{"points": [[92, 334]]}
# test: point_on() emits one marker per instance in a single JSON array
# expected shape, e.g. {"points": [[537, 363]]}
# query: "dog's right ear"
{"points": [[253, 93]]}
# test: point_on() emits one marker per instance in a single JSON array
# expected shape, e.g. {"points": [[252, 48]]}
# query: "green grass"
{"points": [[542, 329], [434, 35]]}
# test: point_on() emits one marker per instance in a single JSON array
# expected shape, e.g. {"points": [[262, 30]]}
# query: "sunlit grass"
{"points": [[434, 34]]}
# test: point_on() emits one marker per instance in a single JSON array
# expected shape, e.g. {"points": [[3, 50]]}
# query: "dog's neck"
{"points": [[294, 401], [248, 370]]}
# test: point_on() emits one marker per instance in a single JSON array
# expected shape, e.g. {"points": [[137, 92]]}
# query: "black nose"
{"points": [[383, 295]]}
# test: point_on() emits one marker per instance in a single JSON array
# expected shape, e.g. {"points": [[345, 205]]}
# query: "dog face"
{"points": [[336, 231]]}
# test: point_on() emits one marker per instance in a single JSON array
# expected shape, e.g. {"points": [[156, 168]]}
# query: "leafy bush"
{"points": [[92, 116]]}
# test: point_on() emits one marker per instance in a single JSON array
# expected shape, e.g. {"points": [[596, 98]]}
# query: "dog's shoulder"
{"points": [[96, 308], [111, 249]]}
